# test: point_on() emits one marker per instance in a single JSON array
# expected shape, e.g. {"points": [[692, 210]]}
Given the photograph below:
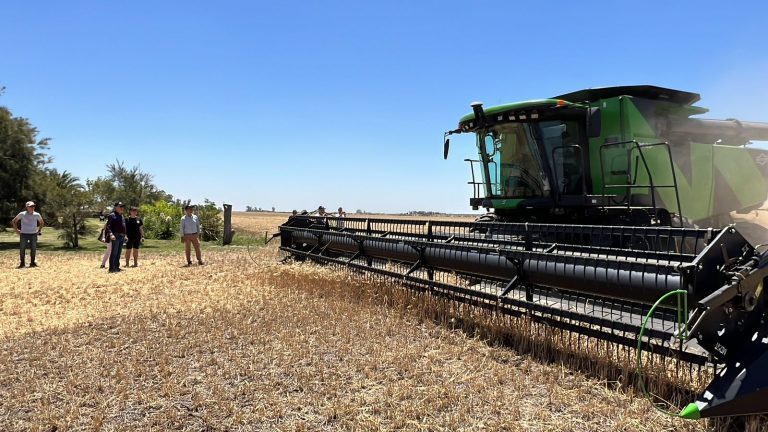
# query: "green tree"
{"points": [[130, 185], [161, 219], [22, 156], [210, 221], [67, 205]]}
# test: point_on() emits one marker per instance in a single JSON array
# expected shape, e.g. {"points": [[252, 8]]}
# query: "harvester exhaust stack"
{"points": [[599, 281]]}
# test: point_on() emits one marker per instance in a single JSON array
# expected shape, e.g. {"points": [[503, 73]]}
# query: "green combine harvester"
{"points": [[610, 215]]}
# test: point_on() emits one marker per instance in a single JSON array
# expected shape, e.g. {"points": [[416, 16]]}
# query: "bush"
{"points": [[161, 220], [74, 226], [211, 221]]}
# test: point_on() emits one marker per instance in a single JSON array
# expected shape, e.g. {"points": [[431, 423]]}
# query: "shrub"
{"points": [[161, 220], [211, 221], [73, 226]]}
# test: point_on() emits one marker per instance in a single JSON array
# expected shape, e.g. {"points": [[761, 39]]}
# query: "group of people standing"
{"points": [[118, 231], [321, 212], [340, 213]]}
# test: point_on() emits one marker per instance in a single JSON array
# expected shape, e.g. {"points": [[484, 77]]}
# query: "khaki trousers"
{"points": [[189, 241]]}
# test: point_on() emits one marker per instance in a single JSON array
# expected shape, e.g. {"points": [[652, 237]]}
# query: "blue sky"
{"points": [[295, 104]]}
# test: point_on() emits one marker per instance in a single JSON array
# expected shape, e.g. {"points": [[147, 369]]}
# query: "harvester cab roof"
{"points": [[641, 91]]}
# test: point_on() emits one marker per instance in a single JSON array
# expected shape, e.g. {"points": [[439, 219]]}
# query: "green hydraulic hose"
{"points": [[682, 317]]}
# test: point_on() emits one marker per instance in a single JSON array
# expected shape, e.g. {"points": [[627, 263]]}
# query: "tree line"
{"points": [[250, 209], [63, 199]]}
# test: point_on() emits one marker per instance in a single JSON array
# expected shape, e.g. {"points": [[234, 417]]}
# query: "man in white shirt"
{"points": [[28, 224], [190, 233]]}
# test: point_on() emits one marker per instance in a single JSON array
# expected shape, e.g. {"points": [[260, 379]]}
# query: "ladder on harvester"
{"points": [[642, 196]]}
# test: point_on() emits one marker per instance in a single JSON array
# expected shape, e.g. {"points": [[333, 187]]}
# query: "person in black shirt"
{"points": [[115, 232], [134, 228]]}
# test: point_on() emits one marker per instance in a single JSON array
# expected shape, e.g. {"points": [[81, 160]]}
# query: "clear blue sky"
{"points": [[295, 104]]}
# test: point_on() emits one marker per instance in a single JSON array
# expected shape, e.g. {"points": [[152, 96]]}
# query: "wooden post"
{"points": [[228, 233]]}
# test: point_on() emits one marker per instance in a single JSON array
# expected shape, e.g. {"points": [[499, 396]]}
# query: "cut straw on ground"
{"points": [[244, 343]]}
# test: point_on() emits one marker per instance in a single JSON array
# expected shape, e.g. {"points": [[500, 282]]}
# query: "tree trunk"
{"points": [[228, 233], [75, 239]]}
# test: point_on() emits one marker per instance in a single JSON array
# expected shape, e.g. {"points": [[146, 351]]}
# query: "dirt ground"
{"points": [[244, 343]]}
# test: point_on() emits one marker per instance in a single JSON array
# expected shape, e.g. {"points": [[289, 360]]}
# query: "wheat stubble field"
{"points": [[244, 343]]}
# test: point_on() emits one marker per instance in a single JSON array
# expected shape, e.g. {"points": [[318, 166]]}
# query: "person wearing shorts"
{"points": [[134, 228]]}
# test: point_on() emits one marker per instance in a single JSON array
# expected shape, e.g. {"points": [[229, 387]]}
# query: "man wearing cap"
{"points": [[190, 232], [321, 211], [115, 232], [134, 236], [28, 224]]}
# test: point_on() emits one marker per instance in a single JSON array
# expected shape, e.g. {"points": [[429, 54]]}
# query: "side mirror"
{"points": [[446, 146]]}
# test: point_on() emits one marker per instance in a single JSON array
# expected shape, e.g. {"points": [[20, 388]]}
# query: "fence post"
{"points": [[228, 233]]}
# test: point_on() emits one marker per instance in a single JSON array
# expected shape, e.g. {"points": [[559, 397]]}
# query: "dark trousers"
{"points": [[30, 239], [117, 247]]}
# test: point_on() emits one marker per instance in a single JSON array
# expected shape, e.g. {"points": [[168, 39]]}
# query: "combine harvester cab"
{"points": [[609, 221]]}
